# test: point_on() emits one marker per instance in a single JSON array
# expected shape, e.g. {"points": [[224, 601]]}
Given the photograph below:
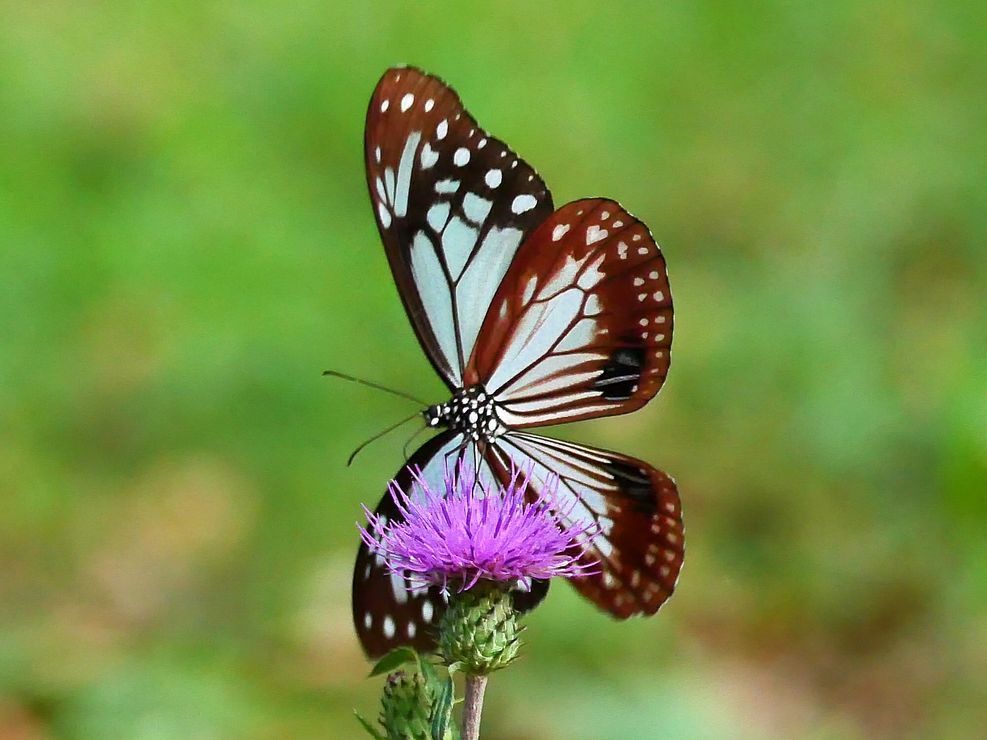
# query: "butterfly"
{"points": [[532, 316]]}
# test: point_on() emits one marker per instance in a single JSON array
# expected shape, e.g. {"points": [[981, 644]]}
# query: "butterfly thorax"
{"points": [[471, 411]]}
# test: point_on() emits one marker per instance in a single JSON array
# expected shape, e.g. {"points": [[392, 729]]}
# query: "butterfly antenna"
{"points": [[378, 436], [370, 384]]}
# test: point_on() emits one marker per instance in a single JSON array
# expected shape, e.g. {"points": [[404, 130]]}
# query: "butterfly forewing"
{"points": [[452, 203], [581, 325], [632, 508]]}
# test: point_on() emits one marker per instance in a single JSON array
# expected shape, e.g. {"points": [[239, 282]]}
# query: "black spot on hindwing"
{"points": [[634, 482], [620, 376]]}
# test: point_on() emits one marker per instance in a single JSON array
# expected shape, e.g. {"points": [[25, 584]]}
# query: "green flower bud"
{"points": [[480, 630], [406, 706]]}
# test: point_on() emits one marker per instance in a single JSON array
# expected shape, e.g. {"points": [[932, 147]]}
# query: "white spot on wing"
{"points": [[429, 157], [384, 105], [523, 203], [429, 104], [388, 627], [428, 611], [407, 101], [446, 186], [594, 234], [559, 231], [442, 129], [493, 178], [461, 157]]}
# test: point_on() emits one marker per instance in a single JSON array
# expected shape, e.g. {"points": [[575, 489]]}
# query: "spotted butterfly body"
{"points": [[532, 316]]}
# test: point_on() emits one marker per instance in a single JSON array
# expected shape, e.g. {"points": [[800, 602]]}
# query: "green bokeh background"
{"points": [[186, 242]]}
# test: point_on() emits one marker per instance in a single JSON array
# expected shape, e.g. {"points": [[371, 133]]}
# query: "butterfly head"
{"points": [[471, 411]]}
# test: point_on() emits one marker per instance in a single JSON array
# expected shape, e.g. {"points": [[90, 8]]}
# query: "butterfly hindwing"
{"points": [[634, 510], [387, 612], [581, 325], [452, 203]]}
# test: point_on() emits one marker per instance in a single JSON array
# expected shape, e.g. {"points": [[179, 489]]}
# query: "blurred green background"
{"points": [[186, 242]]}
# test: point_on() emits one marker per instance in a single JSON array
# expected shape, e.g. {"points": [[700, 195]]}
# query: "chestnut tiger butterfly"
{"points": [[532, 316]]}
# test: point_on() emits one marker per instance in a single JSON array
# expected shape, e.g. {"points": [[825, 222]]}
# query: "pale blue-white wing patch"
{"points": [[453, 205]]}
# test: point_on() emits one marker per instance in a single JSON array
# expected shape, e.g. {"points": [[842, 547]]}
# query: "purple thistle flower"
{"points": [[469, 532]]}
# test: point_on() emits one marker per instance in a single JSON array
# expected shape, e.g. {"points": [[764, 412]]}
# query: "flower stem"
{"points": [[476, 684]]}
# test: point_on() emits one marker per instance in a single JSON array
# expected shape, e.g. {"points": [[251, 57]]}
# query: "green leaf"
{"points": [[442, 726], [432, 679], [371, 730], [394, 660]]}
